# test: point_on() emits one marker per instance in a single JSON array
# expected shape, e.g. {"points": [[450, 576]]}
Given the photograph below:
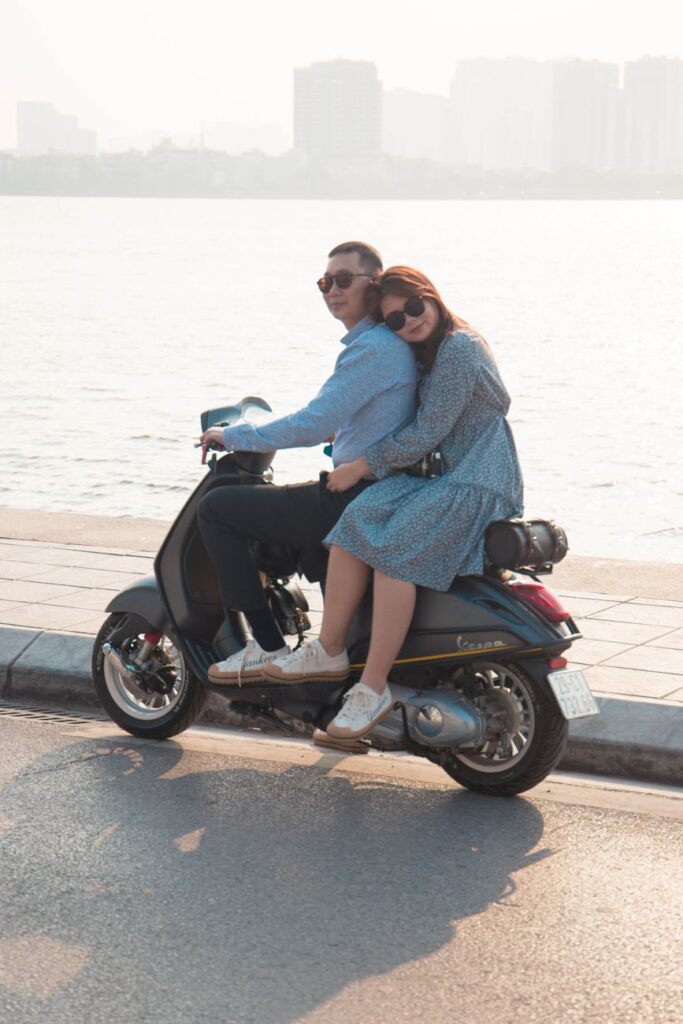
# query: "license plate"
{"points": [[573, 694]]}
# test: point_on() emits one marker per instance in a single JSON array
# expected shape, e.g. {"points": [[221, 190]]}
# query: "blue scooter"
{"points": [[481, 684]]}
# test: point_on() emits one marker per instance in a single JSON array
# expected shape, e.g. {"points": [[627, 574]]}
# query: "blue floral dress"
{"points": [[429, 531]]}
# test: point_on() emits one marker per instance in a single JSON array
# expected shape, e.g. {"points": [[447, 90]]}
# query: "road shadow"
{"points": [[213, 889]]}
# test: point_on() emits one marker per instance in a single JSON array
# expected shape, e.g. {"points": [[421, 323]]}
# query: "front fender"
{"points": [[142, 598]]}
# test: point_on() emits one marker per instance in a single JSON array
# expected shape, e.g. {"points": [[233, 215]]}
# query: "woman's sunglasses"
{"points": [[396, 320], [343, 279]]}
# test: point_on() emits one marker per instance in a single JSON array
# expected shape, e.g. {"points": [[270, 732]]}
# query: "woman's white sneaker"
{"points": [[246, 666], [362, 710], [310, 661]]}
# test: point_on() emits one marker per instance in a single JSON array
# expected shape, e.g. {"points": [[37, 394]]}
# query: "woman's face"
{"points": [[416, 327]]}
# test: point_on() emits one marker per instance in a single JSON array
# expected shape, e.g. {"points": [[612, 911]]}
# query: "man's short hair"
{"points": [[370, 259]]}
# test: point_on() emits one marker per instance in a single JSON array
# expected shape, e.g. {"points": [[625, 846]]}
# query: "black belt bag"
{"points": [[534, 545]]}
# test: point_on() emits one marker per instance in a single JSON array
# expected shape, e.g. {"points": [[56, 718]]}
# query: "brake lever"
{"points": [[205, 449]]}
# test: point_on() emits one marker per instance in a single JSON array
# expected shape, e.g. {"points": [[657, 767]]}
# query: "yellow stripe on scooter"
{"points": [[451, 654]]}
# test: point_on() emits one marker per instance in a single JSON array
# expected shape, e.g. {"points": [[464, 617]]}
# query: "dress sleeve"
{"points": [[353, 383], [445, 396]]}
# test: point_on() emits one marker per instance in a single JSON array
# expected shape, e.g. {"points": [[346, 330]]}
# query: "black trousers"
{"points": [[231, 517]]}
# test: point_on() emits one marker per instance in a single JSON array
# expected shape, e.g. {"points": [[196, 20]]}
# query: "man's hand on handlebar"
{"points": [[212, 438]]}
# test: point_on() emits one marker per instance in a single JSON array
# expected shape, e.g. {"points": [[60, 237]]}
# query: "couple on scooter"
{"points": [[380, 510]]}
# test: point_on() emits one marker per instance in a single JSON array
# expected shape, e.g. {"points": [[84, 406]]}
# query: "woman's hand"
{"points": [[213, 436], [348, 475]]}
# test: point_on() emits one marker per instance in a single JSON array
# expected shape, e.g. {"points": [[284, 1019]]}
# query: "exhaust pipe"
{"points": [[435, 718]]}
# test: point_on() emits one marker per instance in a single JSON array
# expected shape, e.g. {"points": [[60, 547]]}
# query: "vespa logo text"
{"points": [[477, 645]]}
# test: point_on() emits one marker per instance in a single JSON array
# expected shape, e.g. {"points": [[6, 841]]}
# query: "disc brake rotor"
{"points": [[148, 697]]}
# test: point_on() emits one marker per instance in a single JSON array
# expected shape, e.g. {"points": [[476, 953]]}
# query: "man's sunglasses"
{"points": [[396, 320], [343, 279]]}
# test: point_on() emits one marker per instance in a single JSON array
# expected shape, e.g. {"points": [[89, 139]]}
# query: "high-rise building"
{"points": [[415, 125], [500, 114], [338, 109], [585, 114], [42, 129], [652, 116]]}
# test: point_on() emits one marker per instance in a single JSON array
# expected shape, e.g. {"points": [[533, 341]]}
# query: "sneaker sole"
{"points": [[348, 735], [276, 676], [321, 739], [225, 678]]}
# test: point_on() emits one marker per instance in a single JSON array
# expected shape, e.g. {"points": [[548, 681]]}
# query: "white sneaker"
{"points": [[310, 661], [362, 709], [246, 666], [359, 746]]}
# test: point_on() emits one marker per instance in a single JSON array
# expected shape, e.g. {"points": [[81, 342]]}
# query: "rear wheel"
{"points": [[161, 700], [525, 732]]}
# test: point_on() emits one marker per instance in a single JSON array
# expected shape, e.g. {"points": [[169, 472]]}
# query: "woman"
{"points": [[409, 529]]}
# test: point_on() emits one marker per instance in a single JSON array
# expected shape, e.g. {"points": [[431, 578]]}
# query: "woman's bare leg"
{"points": [[393, 604], [347, 581]]}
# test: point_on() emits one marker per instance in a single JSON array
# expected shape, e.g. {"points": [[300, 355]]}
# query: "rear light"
{"points": [[541, 600], [555, 663]]}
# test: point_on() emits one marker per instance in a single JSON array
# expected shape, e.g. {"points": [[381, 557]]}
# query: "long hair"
{"points": [[406, 281]]}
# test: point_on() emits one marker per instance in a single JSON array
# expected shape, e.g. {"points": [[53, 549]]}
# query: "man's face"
{"points": [[347, 304]]}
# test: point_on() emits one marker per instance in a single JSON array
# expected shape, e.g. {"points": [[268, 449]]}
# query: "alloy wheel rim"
{"points": [[138, 703], [506, 696]]}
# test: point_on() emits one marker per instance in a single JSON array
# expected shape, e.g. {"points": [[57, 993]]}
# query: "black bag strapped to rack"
{"points": [[534, 545]]}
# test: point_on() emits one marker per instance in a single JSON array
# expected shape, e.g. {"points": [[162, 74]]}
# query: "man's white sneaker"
{"points": [[246, 666], [310, 661], [362, 710]]}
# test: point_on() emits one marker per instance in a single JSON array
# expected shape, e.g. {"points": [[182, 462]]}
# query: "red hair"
{"points": [[406, 281]]}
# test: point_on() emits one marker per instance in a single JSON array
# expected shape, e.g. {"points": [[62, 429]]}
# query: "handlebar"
{"points": [[206, 448], [226, 416]]}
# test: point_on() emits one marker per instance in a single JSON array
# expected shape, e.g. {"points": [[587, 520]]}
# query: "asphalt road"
{"points": [[245, 881]]}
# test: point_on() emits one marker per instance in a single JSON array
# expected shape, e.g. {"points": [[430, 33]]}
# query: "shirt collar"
{"points": [[360, 328]]}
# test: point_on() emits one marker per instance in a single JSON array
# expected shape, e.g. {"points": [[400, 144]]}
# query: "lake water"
{"points": [[121, 319]]}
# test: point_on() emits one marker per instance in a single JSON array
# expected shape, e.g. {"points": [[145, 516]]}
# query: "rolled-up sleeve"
{"points": [[353, 383], [451, 385]]}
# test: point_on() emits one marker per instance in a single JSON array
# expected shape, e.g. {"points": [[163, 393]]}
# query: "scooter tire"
{"points": [[543, 752], [185, 708]]}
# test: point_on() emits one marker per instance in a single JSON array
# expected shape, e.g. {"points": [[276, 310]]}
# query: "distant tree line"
{"points": [[171, 171]]}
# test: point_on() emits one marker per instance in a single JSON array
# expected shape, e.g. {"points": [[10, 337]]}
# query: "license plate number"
{"points": [[573, 694]]}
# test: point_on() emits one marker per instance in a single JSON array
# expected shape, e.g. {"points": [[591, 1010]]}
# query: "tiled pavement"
{"points": [[632, 647]]}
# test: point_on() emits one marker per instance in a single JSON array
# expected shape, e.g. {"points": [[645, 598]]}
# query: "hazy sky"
{"points": [[126, 67]]}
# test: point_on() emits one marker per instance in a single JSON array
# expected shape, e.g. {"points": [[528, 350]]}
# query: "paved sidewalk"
{"points": [[53, 598]]}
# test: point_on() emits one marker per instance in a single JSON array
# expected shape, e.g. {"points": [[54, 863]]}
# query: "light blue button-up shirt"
{"points": [[371, 393]]}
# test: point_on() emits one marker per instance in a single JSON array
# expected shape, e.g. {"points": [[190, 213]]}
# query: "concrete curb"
{"points": [[53, 669], [631, 737]]}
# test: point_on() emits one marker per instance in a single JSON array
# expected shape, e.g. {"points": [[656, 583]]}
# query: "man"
{"points": [[370, 394]]}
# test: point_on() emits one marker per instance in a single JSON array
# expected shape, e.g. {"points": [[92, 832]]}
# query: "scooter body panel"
{"points": [[184, 573], [477, 617], [142, 598]]}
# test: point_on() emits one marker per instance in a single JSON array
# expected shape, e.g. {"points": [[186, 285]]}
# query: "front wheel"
{"points": [[162, 700], [525, 732]]}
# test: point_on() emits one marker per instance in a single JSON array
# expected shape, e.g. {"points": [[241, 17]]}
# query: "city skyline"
{"points": [[127, 68], [513, 114]]}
